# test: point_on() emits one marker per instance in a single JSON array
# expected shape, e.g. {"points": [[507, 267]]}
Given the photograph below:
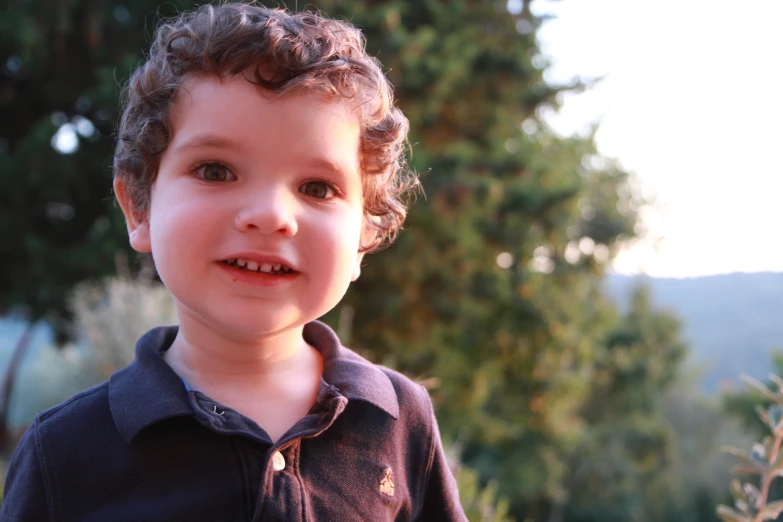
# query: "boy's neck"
{"points": [[207, 360], [273, 381]]}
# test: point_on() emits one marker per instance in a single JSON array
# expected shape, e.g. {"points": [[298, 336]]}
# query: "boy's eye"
{"points": [[317, 189], [215, 172]]}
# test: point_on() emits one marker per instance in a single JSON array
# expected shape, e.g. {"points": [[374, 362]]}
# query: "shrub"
{"points": [[751, 502]]}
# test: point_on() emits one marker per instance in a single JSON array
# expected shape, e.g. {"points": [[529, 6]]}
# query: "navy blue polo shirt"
{"points": [[143, 447]]}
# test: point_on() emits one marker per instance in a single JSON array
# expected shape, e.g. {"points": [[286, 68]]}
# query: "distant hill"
{"points": [[733, 322]]}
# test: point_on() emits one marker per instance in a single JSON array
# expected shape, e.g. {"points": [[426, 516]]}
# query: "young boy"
{"points": [[259, 159]]}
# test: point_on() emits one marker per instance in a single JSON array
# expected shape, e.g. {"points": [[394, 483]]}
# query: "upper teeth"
{"points": [[255, 267]]}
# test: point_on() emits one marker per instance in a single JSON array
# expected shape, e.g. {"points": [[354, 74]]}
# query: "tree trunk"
{"points": [[8, 383]]}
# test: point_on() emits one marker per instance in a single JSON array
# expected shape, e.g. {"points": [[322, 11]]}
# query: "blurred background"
{"points": [[596, 260]]}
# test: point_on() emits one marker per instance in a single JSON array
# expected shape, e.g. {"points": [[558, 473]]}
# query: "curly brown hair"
{"points": [[299, 52]]}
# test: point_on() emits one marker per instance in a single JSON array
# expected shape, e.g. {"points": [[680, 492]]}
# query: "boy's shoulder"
{"points": [[133, 397], [78, 412]]}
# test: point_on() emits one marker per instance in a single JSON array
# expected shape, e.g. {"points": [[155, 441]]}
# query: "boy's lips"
{"points": [[258, 269]]}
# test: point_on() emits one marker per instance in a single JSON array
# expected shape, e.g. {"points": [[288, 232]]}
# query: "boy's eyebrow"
{"points": [[323, 163], [209, 140]]}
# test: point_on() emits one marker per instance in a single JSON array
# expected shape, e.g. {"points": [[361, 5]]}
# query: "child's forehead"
{"points": [[214, 112], [206, 88]]}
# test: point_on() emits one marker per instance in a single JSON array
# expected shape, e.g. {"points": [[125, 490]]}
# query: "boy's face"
{"points": [[254, 180]]}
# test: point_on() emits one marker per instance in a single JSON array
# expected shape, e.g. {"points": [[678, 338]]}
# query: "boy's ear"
{"points": [[138, 225], [368, 236], [357, 268]]}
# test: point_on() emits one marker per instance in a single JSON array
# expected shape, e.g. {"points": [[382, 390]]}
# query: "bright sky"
{"points": [[692, 104]]}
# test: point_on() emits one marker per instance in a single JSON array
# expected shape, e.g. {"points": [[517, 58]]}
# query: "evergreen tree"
{"points": [[492, 296], [64, 63], [487, 295]]}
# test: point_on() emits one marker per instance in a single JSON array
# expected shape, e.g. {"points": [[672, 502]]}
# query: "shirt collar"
{"points": [[352, 375], [149, 391]]}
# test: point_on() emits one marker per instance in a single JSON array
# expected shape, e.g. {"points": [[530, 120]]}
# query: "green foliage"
{"points": [[515, 348], [64, 63], [697, 470], [493, 295], [626, 438], [745, 406], [753, 503], [480, 504]]}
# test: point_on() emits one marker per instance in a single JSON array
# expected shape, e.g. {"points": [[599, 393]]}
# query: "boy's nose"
{"points": [[269, 215]]}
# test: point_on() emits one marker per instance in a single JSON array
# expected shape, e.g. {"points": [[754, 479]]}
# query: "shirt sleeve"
{"points": [[441, 497], [24, 495]]}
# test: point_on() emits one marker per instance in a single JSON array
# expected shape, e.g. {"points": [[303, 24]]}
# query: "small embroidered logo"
{"points": [[387, 484]]}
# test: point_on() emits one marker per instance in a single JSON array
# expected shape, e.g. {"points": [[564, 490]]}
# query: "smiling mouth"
{"points": [[263, 268]]}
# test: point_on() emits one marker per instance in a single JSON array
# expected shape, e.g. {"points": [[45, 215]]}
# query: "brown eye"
{"points": [[317, 189], [215, 172]]}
